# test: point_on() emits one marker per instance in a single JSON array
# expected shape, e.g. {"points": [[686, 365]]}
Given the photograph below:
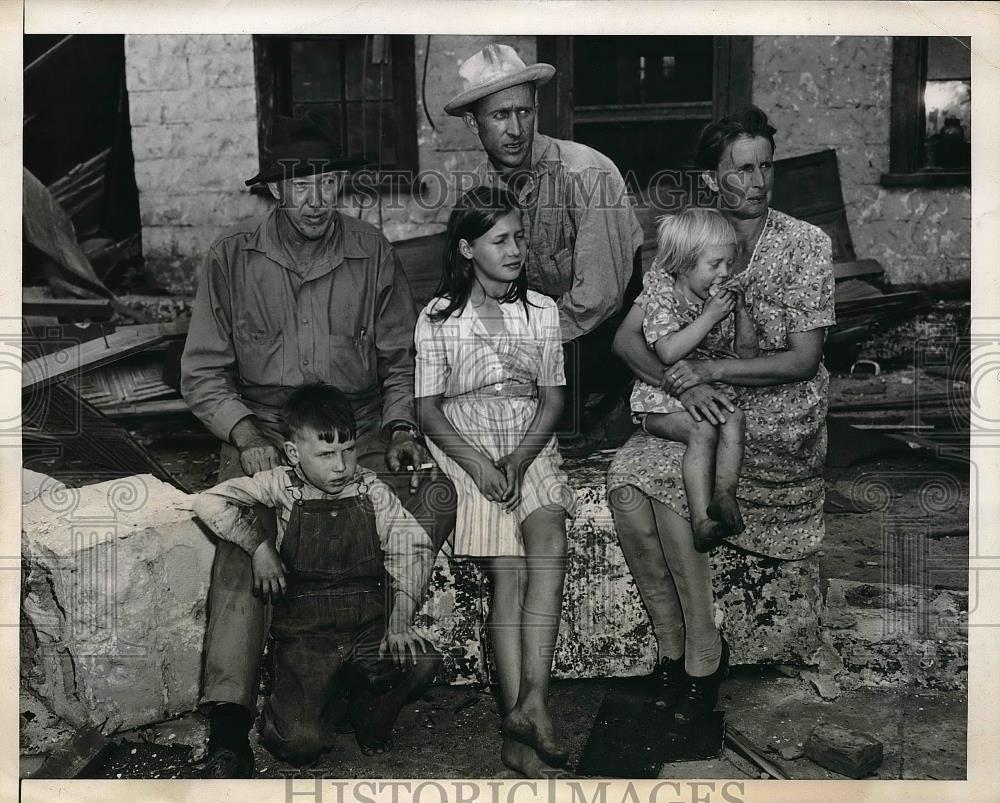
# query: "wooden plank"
{"points": [[77, 309], [856, 269], [81, 755], [147, 408], [94, 353]]}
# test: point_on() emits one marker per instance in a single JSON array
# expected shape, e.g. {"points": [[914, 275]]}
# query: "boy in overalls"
{"points": [[344, 539]]}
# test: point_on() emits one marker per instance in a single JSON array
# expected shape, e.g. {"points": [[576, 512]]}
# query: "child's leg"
{"points": [[544, 533], [508, 576], [698, 470], [728, 462], [305, 670]]}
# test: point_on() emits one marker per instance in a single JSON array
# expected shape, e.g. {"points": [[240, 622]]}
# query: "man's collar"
{"points": [[269, 242], [538, 163]]}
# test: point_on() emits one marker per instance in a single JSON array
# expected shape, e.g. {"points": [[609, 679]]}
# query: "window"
{"points": [[362, 86], [931, 123], [641, 100]]}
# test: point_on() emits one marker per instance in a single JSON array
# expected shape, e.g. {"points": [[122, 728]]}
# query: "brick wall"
{"points": [[194, 137], [833, 92]]}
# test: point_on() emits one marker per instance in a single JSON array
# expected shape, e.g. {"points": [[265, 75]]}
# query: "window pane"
{"points": [[363, 130], [614, 70], [948, 103], [316, 70], [360, 66], [330, 115], [643, 149]]}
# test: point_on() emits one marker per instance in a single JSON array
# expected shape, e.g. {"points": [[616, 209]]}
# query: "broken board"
{"points": [[631, 738]]}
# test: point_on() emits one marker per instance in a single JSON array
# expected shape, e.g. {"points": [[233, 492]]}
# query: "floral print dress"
{"points": [[664, 314], [788, 286]]}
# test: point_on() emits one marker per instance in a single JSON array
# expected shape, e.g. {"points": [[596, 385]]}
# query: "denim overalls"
{"points": [[333, 612]]}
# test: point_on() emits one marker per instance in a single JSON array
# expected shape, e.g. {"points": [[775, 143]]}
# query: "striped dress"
{"points": [[486, 381]]}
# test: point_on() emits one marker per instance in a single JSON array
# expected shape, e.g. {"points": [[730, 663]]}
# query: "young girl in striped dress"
{"points": [[489, 390]]}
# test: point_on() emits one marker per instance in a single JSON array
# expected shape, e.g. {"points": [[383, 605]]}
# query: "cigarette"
{"points": [[422, 467]]}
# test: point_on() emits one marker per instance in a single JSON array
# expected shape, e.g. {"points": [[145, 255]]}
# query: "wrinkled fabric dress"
{"points": [[489, 384]]}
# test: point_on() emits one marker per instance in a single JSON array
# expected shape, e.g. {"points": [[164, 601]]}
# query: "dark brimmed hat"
{"points": [[492, 69], [303, 147]]}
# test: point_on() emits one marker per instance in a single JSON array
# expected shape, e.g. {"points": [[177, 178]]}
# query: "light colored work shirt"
{"points": [[581, 230]]}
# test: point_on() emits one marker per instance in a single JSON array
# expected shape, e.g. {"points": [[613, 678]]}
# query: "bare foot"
{"points": [[534, 728], [726, 509], [523, 759], [708, 534]]}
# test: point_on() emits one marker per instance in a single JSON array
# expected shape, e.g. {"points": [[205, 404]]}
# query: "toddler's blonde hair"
{"points": [[682, 237]]}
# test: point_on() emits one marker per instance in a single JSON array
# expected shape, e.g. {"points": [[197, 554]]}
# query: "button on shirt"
{"points": [[581, 229], [260, 327]]}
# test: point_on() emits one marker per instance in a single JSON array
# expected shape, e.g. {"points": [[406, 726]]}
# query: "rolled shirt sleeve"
{"points": [[607, 233], [227, 509], [409, 553], [395, 318], [208, 364]]}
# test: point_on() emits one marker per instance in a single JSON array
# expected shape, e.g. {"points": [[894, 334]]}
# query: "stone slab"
{"points": [[116, 580]]}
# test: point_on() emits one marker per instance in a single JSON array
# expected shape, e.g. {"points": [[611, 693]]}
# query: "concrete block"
{"points": [[200, 209], [156, 73], [229, 69], [193, 174], [33, 484], [851, 753], [116, 579], [198, 105], [184, 140]]}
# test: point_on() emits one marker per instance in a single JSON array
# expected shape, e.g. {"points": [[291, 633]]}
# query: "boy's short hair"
{"points": [[682, 237], [323, 409]]}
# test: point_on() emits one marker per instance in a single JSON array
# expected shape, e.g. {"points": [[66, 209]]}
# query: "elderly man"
{"points": [[583, 235], [304, 295]]}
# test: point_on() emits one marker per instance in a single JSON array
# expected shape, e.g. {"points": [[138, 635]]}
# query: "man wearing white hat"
{"points": [[583, 235]]}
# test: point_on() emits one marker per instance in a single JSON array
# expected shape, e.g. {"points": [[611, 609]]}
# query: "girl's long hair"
{"points": [[473, 216]]}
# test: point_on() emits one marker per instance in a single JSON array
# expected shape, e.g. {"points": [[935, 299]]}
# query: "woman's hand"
{"points": [[685, 374], [704, 401]]}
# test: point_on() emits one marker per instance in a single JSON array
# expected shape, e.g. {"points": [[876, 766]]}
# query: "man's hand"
{"points": [[405, 451], [268, 572], [257, 453], [705, 401], [401, 644], [685, 374]]}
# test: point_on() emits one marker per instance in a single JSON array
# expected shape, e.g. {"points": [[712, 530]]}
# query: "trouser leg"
{"points": [[296, 723], [237, 620]]}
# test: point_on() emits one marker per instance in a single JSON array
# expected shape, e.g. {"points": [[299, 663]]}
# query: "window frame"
{"points": [[907, 127], [271, 83]]}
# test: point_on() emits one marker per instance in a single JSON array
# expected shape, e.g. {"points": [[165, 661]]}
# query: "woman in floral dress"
{"points": [[784, 266]]}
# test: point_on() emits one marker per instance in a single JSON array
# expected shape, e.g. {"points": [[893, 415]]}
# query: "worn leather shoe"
{"points": [[702, 693], [669, 683], [225, 762]]}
